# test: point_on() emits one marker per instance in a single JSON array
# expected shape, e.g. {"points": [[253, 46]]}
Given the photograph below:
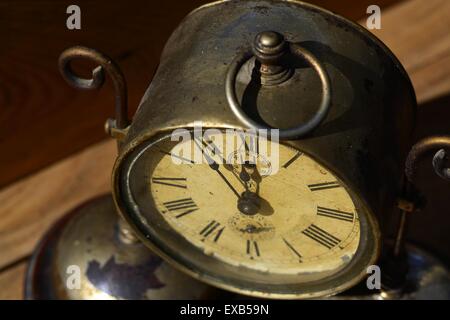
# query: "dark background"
{"points": [[43, 120]]}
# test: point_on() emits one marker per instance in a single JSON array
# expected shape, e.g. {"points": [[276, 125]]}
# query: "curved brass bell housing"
{"points": [[87, 243], [338, 96]]}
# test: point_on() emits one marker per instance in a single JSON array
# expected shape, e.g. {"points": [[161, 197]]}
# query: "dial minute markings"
{"points": [[293, 249], [295, 157], [321, 236]]}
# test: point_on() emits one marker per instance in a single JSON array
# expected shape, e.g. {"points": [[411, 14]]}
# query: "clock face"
{"points": [[245, 212], [304, 220]]}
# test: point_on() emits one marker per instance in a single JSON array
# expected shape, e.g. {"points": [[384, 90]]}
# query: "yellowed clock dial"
{"points": [[303, 220]]}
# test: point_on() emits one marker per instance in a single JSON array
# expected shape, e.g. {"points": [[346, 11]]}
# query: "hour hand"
{"points": [[249, 176], [215, 166]]}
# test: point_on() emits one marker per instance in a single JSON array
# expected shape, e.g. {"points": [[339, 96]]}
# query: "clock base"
{"points": [[83, 257], [426, 279]]}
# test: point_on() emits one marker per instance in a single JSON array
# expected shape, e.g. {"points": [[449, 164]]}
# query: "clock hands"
{"points": [[215, 166], [249, 202], [227, 166], [250, 176], [226, 181]]}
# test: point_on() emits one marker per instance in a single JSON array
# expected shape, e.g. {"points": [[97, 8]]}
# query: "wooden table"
{"points": [[417, 32]]}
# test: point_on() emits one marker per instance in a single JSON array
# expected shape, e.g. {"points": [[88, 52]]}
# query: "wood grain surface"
{"points": [[30, 206], [419, 35], [12, 282]]}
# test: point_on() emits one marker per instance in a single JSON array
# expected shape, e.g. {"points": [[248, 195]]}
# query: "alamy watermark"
{"points": [[73, 21], [374, 20], [73, 280], [373, 281], [230, 146]]}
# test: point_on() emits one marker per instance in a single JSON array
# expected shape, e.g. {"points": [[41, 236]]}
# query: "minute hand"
{"points": [[215, 166], [224, 162]]}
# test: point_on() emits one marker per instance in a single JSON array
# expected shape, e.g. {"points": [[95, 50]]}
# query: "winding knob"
{"points": [[269, 47]]}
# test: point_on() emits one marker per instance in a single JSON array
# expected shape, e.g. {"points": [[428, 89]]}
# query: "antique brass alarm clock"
{"points": [[344, 107], [307, 224]]}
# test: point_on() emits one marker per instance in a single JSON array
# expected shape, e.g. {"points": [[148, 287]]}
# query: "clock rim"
{"points": [[354, 271]]}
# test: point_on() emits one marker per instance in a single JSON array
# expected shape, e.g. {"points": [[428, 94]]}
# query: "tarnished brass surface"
{"points": [[88, 238], [116, 128], [363, 140], [172, 245], [297, 51], [426, 146], [427, 279]]}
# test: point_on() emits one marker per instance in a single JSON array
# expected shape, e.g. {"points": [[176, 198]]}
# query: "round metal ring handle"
{"points": [[289, 133]]}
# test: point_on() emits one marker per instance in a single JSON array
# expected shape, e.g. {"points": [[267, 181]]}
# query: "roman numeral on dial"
{"points": [[187, 204], [321, 236], [212, 229], [254, 143], [211, 147], [252, 248], [244, 143], [171, 182], [335, 214], [324, 186]]}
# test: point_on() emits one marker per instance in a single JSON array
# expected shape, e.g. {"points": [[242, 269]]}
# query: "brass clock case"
{"points": [[88, 237], [133, 198], [363, 139]]}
